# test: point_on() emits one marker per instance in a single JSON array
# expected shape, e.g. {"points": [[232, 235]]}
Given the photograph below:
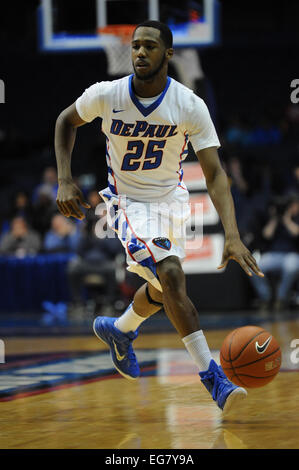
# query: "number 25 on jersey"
{"points": [[152, 155]]}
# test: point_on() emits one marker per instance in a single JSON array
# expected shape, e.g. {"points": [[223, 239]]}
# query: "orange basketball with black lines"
{"points": [[250, 356]]}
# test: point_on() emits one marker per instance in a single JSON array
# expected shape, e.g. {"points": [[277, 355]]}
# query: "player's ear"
{"points": [[169, 53]]}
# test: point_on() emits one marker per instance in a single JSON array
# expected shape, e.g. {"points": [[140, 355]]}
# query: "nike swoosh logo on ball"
{"points": [[262, 348]]}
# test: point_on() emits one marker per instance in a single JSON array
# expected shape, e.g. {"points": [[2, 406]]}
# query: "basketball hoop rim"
{"points": [[123, 31]]}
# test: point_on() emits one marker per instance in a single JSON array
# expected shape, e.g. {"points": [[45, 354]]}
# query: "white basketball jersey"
{"points": [[146, 144]]}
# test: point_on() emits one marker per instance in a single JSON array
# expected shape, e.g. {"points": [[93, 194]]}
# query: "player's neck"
{"points": [[148, 88]]}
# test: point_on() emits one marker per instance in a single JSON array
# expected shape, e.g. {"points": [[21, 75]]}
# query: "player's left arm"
{"points": [[219, 191]]}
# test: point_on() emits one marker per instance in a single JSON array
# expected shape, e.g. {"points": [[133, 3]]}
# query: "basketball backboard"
{"points": [[75, 26]]}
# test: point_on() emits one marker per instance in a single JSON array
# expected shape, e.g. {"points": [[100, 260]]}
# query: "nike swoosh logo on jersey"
{"points": [[118, 356], [262, 348], [117, 110]]}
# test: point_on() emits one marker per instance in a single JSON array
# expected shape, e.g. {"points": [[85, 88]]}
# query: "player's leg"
{"points": [[147, 301], [119, 333], [181, 311], [179, 307], [289, 272], [185, 319]]}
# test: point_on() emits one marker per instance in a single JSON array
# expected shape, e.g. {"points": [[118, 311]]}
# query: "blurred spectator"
{"points": [[291, 123], [63, 236], [237, 175], [239, 190], [241, 133], [248, 196], [281, 256], [265, 133], [21, 206], [49, 182], [20, 240], [94, 199], [94, 256], [43, 210], [237, 132], [294, 183]]}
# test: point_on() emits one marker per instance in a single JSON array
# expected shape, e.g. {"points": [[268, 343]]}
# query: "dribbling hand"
{"points": [[236, 250]]}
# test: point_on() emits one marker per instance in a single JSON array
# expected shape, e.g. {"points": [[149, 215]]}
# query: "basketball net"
{"points": [[118, 52]]}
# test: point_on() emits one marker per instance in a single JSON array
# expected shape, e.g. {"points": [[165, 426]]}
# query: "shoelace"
{"points": [[219, 382], [128, 350], [131, 355]]}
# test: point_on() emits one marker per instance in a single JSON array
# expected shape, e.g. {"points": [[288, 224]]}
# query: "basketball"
{"points": [[250, 357]]}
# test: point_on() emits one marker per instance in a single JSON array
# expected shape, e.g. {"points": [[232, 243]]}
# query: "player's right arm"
{"points": [[203, 137], [69, 196]]}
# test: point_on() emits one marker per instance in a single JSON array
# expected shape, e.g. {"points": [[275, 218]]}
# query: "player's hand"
{"points": [[69, 197], [236, 250]]}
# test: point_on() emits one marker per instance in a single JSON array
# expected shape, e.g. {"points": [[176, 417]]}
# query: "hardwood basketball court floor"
{"points": [[62, 392]]}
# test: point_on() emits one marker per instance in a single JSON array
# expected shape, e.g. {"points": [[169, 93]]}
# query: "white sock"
{"points": [[129, 320], [197, 346]]}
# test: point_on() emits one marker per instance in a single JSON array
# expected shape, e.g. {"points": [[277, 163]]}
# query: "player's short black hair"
{"points": [[165, 32]]}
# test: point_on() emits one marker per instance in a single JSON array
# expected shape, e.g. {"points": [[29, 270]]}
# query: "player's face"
{"points": [[149, 54]]}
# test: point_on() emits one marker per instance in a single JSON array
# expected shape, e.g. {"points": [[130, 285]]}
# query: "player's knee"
{"points": [[154, 293], [171, 274]]}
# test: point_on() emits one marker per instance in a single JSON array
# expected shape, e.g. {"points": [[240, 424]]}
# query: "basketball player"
{"points": [[148, 119]]}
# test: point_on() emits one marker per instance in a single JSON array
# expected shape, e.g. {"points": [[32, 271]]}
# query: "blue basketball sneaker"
{"points": [[120, 344], [224, 392]]}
